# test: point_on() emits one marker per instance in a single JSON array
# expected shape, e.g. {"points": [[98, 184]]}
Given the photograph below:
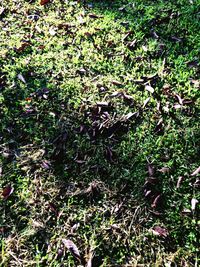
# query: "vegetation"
{"points": [[99, 140]]}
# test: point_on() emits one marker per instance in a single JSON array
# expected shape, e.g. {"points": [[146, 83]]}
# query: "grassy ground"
{"points": [[99, 140]]}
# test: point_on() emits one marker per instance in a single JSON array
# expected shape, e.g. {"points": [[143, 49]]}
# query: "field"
{"points": [[99, 133]]}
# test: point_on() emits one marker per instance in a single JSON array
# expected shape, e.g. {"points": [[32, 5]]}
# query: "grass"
{"points": [[99, 106]]}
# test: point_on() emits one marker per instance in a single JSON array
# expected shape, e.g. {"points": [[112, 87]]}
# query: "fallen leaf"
{"points": [[196, 83], [33, 17], [52, 31], [22, 47], [194, 202], [176, 39], [156, 213], [75, 227], [60, 253], [117, 83], [89, 263], [46, 164], [21, 78], [197, 171], [177, 106], [164, 170], [149, 88], [72, 248], [44, 2], [7, 191], [102, 104], [94, 16], [156, 201], [52, 206], [197, 183], [160, 231], [2, 10], [186, 212], [159, 127], [192, 64], [179, 99], [129, 115], [152, 180], [146, 102], [151, 170], [131, 45], [127, 35], [147, 193], [128, 97], [180, 179], [116, 94]]}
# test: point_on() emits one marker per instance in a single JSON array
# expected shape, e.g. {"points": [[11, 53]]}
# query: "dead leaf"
{"points": [[94, 16], [117, 83], [52, 31], [72, 248], [180, 179], [164, 170], [196, 83], [176, 39], [197, 171], [159, 127], [146, 102], [131, 45], [116, 94], [44, 2], [156, 201], [91, 256], [23, 46], [102, 104], [194, 202], [127, 35], [128, 97], [192, 64], [2, 10], [147, 193], [21, 78], [149, 88], [46, 164], [160, 231], [180, 100], [186, 212], [7, 191], [151, 170], [197, 183], [53, 207], [144, 48]]}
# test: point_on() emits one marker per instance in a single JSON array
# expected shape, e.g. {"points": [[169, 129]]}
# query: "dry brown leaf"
{"points": [[44, 2], [94, 16], [7, 191], [149, 88], [197, 171], [194, 202], [117, 83], [89, 263], [160, 231], [180, 179], [72, 248], [156, 201], [164, 170]]}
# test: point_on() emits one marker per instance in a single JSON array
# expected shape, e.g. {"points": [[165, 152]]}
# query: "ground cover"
{"points": [[99, 140]]}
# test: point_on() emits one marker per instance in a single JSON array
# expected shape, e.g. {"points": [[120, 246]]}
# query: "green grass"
{"points": [[87, 104]]}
